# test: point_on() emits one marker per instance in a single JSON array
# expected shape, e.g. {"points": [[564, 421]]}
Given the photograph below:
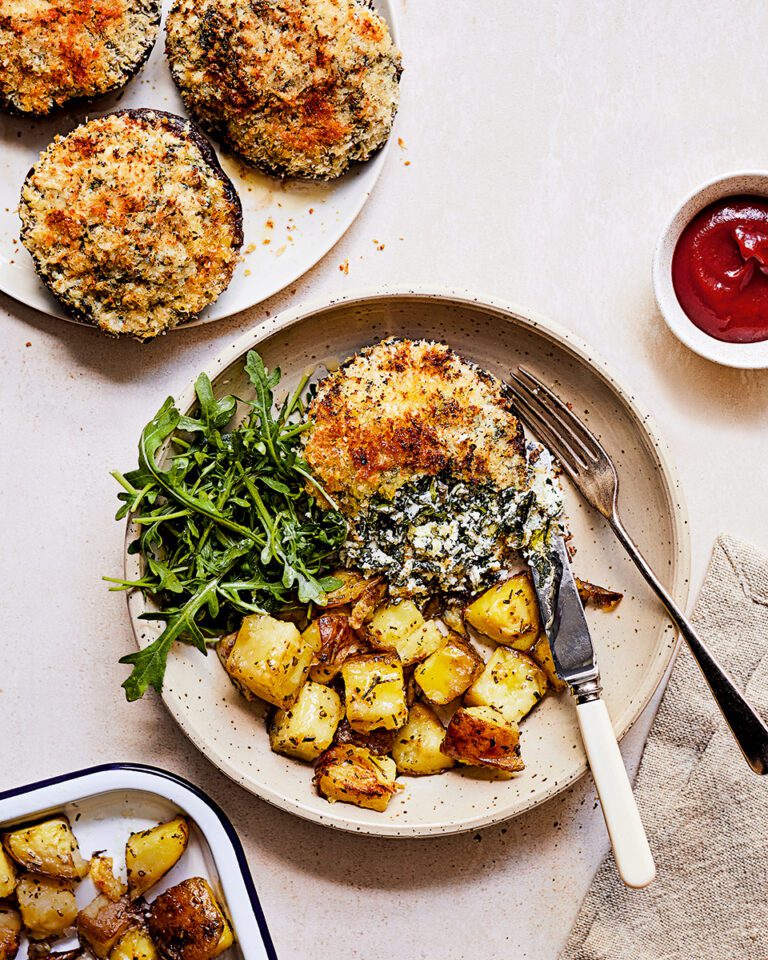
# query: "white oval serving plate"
{"points": [[107, 803], [289, 225], [635, 644]]}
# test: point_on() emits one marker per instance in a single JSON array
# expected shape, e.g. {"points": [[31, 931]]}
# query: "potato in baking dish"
{"points": [[299, 88], [53, 52], [131, 222]]}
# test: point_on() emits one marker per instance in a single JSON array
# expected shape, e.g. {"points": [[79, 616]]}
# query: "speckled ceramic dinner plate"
{"points": [[635, 644], [288, 225]]}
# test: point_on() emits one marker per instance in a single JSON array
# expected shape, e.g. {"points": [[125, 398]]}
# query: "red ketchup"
{"points": [[720, 269]]}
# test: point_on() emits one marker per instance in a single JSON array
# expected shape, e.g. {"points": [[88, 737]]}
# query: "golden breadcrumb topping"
{"points": [[409, 408], [131, 222], [53, 51], [298, 87]]}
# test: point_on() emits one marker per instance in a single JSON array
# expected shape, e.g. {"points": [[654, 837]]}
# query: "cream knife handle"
{"points": [[633, 856]]}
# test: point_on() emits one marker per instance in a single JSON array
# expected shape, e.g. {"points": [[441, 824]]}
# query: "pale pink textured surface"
{"points": [[547, 143]]}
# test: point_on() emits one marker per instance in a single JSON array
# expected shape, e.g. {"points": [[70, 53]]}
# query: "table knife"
{"points": [[574, 658]]}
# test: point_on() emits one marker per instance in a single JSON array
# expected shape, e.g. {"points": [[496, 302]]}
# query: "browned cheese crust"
{"points": [[299, 88], [56, 51], [131, 222], [406, 408]]}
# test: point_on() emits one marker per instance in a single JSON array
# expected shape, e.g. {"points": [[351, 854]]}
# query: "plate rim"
{"points": [[680, 588], [377, 162]]}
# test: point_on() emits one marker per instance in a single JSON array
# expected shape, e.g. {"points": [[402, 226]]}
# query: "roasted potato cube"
{"points": [[271, 658], [49, 848], [335, 641], [374, 689], [7, 875], [417, 747], [421, 642], [223, 649], [511, 683], [354, 775], [187, 923], [150, 854], [10, 931], [447, 673], [507, 613], [47, 905], [482, 737], [308, 727], [393, 622], [103, 877], [103, 922], [134, 945], [542, 654]]}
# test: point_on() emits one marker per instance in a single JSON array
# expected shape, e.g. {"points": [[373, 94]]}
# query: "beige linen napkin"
{"points": [[706, 813]]}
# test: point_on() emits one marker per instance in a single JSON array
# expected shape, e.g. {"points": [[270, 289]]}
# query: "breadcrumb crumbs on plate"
{"points": [[344, 267]]}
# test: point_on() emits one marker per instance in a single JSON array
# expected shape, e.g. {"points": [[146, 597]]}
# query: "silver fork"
{"points": [[592, 471]]}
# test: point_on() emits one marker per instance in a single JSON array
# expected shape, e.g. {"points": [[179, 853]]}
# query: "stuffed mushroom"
{"points": [[131, 222], [53, 52], [299, 88]]}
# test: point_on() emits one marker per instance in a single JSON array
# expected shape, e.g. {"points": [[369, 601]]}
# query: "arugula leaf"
{"points": [[229, 521]]}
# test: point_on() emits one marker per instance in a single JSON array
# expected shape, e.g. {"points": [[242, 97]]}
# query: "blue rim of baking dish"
{"points": [[223, 819]]}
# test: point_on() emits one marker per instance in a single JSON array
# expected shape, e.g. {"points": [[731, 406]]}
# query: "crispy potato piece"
{"points": [[354, 775], [353, 586], [417, 747], [421, 642], [49, 848], [447, 673], [150, 854], [47, 905], [7, 875], [134, 945], [363, 608], [271, 658], [223, 649], [336, 640], [393, 622], [507, 613], [598, 596], [542, 654], [102, 874], [480, 736], [103, 922], [10, 931], [379, 742], [307, 728], [375, 692], [511, 683], [187, 923]]}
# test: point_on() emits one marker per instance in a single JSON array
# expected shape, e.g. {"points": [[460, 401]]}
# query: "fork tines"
{"points": [[576, 447]]}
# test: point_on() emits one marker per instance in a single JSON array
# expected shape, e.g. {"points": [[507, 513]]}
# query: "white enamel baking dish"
{"points": [[106, 803]]}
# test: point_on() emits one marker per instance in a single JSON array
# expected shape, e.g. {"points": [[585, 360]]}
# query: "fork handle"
{"points": [[633, 856], [747, 727]]}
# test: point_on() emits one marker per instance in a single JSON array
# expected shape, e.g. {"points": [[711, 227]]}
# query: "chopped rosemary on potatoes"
{"points": [[227, 523]]}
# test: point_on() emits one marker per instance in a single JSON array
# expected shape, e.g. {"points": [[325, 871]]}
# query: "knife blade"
{"points": [[564, 622]]}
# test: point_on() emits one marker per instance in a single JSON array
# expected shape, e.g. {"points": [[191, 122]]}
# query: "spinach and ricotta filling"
{"points": [[440, 533]]}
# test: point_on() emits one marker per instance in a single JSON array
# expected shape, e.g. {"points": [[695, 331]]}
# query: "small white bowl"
{"points": [[753, 356]]}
